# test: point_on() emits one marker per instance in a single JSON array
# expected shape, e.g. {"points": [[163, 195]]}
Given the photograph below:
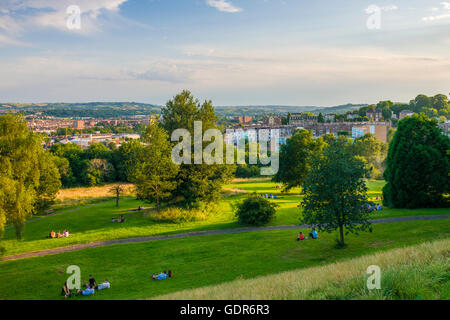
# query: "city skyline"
{"points": [[255, 52]]}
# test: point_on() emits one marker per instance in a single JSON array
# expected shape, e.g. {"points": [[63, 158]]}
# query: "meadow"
{"points": [[198, 261], [92, 223]]}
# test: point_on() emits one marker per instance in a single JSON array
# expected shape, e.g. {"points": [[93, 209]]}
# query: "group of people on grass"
{"points": [[163, 275], [312, 235], [121, 219], [54, 235], [374, 207], [91, 286], [269, 196]]}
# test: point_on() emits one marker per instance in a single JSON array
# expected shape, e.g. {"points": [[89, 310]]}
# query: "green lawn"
{"points": [[93, 223], [200, 261]]}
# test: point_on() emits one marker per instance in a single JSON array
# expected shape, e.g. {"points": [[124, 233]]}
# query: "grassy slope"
{"points": [[415, 272], [201, 261], [93, 223]]}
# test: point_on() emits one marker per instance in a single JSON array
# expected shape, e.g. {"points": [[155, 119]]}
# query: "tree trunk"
{"points": [[341, 232], [117, 200], [157, 204]]}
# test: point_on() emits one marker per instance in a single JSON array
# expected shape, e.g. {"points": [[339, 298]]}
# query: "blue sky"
{"points": [[234, 52]]}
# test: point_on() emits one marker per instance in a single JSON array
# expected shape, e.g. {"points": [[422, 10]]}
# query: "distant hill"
{"points": [[276, 109], [129, 109]]}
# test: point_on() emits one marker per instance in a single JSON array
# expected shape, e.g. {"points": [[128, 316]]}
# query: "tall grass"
{"points": [[416, 272], [84, 195]]}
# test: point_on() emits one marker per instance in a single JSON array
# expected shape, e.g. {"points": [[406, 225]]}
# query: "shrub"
{"points": [[255, 210], [180, 215]]}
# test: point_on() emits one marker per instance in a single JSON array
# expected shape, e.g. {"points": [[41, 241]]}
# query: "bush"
{"points": [[255, 210], [180, 215]]}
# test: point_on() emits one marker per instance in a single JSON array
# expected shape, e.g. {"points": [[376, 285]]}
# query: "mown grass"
{"points": [[201, 261], [415, 272], [93, 223]]}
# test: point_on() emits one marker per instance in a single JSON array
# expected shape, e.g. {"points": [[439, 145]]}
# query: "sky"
{"points": [[233, 52]]}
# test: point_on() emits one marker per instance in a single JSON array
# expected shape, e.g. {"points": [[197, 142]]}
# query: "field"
{"points": [[415, 272], [196, 261]]}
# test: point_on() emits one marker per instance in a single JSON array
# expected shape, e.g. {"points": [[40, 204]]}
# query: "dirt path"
{"points": [[194, 234]]}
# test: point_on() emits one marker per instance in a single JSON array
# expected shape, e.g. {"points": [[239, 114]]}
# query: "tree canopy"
{"points": [[335, 193], [417, 165]]}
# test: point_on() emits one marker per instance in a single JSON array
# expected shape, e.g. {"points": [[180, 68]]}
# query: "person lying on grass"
{"points": [[121, 219], [104, 285], [162, 276], [86, 292]]}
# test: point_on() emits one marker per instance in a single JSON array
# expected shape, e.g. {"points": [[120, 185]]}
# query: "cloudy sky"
{"points": [[234, 52]]}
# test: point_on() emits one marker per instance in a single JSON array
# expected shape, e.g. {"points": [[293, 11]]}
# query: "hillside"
{"points": [[130, 109], [415, 272]]}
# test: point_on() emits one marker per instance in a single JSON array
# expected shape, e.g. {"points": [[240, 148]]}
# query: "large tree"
{"points": [[24, 172], [335, 193], [417, 165], [155, 172], [196, 182], [295, 158]]}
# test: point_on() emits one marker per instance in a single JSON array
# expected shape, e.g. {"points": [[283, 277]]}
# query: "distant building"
{"points": [[244, 119], [272, 121], [78, 124], [405, 113], [351, 116], [378, 130], [374, 115], [297, 119], [329, 117]]}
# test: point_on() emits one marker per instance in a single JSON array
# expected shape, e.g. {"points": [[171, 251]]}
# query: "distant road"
{"points": [[194, 234]]}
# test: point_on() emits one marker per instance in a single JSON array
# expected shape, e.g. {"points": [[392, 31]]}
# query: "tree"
{"points": [[335, 193], [255, 210], [49, 180], [417, 165], [155, 172], [374, 153], [20, 151], [295, 158], [196, 182], [117, 190], [320, 118], [125, 159]]}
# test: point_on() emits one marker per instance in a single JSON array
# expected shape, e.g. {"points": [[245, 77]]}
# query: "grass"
{"points": [[201, 261], [415, 272], [93, 223]]}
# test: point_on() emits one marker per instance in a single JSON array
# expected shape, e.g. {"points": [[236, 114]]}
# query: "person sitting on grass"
{"points": [[104, 285], [301, 237], [59, 235], [122, 218], [65, 291], [52, 235], [313, 234], [66, 233], [91, 282]]}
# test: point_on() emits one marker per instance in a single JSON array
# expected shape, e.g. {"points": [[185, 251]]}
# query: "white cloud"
{"points": [[441, 13], [223, 5], [19, 16]]}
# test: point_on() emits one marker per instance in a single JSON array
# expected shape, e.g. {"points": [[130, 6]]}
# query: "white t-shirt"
{"points": [[104, 285]]}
